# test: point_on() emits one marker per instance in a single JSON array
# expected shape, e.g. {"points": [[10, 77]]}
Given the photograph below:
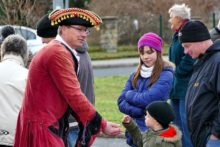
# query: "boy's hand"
{"points": [[126, 119]]}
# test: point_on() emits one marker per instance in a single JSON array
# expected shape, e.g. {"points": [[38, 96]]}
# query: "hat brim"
{"points": [[76, 21]]}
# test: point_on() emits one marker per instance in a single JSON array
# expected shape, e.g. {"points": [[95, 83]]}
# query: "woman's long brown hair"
{"points": [[158, 67]]}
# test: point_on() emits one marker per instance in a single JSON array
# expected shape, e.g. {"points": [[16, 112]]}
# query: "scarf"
{"points": [[146, 71]]}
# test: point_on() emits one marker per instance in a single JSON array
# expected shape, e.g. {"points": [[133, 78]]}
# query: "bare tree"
{"points": [[16, 11], [23, 12], [148, 13]]}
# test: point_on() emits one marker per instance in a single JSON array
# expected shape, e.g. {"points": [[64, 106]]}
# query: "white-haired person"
{"points": [[13, 77], [179, 15]]}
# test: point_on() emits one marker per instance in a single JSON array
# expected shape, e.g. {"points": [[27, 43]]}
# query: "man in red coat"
{"points": [[53, 90]]}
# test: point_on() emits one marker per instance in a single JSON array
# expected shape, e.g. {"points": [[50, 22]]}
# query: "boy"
{"points": [[161, 132]]}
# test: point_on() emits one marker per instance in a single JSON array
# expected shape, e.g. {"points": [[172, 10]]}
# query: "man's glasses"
{"points": [[81, 30]]}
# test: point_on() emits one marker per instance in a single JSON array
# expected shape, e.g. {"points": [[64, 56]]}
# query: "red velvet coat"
{"points": [[52, 86]]}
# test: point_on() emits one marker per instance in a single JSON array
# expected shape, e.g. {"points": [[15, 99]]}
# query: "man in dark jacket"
{"points": [[203, 93]]}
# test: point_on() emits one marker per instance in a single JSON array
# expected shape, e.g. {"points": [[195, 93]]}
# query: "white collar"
{"points": [[60, 39], [14, 58]]}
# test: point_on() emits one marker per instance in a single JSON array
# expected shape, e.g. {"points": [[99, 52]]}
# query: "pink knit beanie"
{"points": [[152, 40]]}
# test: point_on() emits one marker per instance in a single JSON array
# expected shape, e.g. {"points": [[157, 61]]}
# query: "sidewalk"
{"points": [[124, 62], [110, 142]]}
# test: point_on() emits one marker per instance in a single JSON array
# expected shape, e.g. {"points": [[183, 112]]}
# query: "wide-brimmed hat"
{"points": [[75, 16]]}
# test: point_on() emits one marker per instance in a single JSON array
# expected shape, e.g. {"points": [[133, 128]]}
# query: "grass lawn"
{"points": [[125, 51], [107, 90]]}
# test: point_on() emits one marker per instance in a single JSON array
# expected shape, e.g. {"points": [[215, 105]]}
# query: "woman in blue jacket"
{"points": [[152, 81]]}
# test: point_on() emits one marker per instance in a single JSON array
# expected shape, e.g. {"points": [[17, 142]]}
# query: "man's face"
{"points": [[192, 49], [74, 35]]}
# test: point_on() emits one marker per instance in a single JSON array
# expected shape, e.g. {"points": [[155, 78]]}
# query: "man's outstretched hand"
{"points": [[112, 129]]}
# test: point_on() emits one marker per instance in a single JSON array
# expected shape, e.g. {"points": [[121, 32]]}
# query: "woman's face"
{"points": [[148, 56]]}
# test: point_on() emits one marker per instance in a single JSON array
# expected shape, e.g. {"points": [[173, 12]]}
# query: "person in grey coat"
{"points": [[86, 80]]}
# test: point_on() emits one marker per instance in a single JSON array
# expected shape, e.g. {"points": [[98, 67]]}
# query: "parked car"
{"points": [[34, 42]]}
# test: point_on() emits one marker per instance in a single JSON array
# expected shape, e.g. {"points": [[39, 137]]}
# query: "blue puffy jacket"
{"points": [[133, 101]]}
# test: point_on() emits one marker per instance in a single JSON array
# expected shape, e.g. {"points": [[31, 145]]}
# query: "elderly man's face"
{"points": [[74, 35], [175, 22], [192, 48]]}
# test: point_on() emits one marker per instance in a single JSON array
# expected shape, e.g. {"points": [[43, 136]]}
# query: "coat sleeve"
{"points": [[216, 81], [126, 107], [131, 110], [135, 133], [185, 66], [158, 91]]}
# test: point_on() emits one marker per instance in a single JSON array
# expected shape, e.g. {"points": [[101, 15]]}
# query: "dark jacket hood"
{"points": [[214, 47]]}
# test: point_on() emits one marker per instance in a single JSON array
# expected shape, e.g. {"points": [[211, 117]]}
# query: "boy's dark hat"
{"points": [[75, 16], [162, 112], [45, 29], [194, 31]]}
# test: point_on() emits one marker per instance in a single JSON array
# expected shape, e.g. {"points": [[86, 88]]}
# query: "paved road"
{"points": [[115, 63], [110, 142], [116, 66], [100, 72]]}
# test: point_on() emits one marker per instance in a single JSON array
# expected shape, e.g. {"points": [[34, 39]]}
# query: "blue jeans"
{"points": [[213, 143], [129, 140], [72, 136], [180, 120]]}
